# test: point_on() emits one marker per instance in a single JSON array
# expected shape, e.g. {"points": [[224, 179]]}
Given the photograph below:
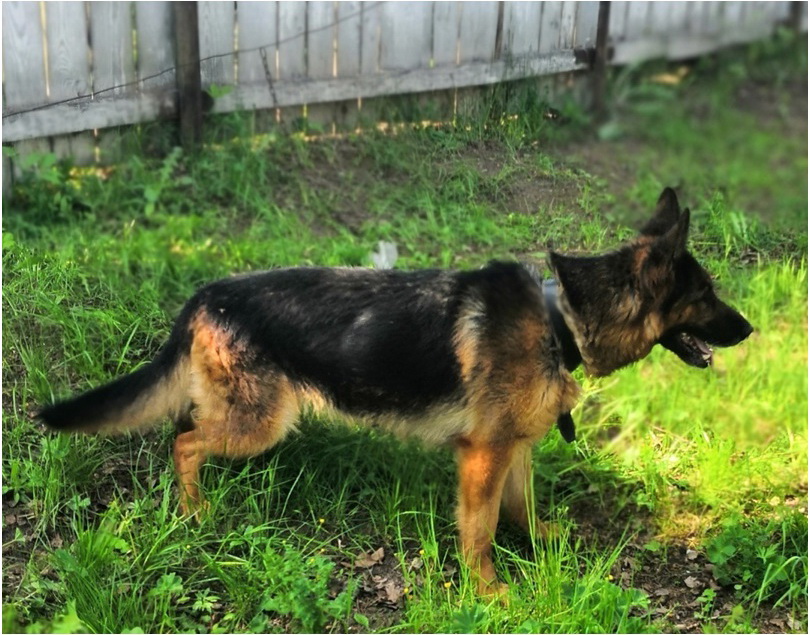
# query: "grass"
{"points": [[670, 461]]}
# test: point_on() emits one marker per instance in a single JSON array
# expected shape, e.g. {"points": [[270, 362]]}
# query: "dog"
{"points": [[479, 359]]}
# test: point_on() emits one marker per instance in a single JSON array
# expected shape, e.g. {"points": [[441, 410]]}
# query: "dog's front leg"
{"points": [[518, 500], [483, 467]]}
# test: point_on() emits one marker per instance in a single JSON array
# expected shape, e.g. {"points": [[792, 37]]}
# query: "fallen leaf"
{"points": [[365, 561], [692, 582], [416, 564], [691, 554], [393, 591]]}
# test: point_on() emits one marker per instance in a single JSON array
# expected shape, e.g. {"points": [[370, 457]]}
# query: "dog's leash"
{"points": [[571, 355]]}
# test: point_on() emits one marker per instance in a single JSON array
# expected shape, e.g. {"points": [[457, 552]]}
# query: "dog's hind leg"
{"points": [[482, 471], [233, 433], [518, 500], [189, 455]]}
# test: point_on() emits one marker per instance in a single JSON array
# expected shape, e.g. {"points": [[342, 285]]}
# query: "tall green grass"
{"points": [[95, 265]]}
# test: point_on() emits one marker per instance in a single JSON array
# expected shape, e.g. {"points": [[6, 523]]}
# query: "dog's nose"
{"points": [[748, 329], [744, 330]]}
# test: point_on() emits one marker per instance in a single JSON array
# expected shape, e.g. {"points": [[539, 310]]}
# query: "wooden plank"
{"points": [[321, 34], [568, 21], [405, 43], [348, 42], [444, 43], [216, 28], [477, 31], [257, 37], [636, 22], [618, 21], [257, 28], [111, 36], [321, 62], [80, 147], [678, 12], [659, 18], [711, 22], [348, 37], [586, 20], [154, 22], [24, 82], [69, 72], [732, 15], [393, 83], [371, 20], [521, 28], [292, 61], [104, 111], [292, 20], [68, 54], [550, 27]]}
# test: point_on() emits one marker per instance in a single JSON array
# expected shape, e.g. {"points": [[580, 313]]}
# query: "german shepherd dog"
{"points": [[480, 360]]}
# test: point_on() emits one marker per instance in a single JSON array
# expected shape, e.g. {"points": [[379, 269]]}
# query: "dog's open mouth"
{"points": [[697, 347], [690, 348]]}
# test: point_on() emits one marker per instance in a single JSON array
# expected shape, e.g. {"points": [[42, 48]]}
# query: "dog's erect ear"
{"points": [[667, 214], [658, 265]]}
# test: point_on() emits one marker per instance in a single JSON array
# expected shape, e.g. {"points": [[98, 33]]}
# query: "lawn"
{"points": [[683, 502]]}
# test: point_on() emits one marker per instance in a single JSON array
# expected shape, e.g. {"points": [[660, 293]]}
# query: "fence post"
{"points": [[189, 86], [600, 61], [795, 19]]}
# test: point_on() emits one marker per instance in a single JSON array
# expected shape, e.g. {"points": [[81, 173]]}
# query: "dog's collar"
{"points": [[571, 355]]}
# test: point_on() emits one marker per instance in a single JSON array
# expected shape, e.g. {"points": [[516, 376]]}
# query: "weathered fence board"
{"points": [[551, 27], [477, 32], [154, 24], [24, 82], [111, 35], [282, 55], [405, 43], [292, 22], [257, 32], [216, 27], [521, 28], [349, 37], [444, 39], [68, 63]]}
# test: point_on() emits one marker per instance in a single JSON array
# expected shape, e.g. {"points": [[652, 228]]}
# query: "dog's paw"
{"points": [[495, 590], [195, 510]]}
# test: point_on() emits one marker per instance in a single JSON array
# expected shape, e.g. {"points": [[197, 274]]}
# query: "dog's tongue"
{"points": [[704, 349]]}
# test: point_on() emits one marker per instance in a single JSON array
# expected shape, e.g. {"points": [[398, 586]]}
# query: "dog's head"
{"points": [[651, 291]]}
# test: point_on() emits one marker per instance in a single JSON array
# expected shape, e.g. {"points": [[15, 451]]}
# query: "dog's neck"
{"points": [[571, 355]]}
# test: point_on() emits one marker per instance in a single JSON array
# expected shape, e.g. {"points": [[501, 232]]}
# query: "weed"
{"points": [[97, 262], [763, 560]]}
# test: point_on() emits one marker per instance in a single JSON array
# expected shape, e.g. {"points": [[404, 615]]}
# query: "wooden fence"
{"points": [[73, 69]]}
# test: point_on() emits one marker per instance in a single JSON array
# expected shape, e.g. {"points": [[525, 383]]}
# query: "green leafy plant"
{"points": [[298, 587]]}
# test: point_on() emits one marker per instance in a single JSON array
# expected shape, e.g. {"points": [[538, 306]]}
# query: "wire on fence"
{"points": [[275, 44]]}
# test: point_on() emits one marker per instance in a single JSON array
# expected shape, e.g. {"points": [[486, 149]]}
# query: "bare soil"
{"points": [[673, 583]]}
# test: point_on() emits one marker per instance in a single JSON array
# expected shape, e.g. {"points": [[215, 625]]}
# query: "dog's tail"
{"points": [[143, 398]]}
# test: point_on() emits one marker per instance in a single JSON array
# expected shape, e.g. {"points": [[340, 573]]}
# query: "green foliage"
{"points": [[97, 262], [763, 560], [66, 621], [298, 587]]}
